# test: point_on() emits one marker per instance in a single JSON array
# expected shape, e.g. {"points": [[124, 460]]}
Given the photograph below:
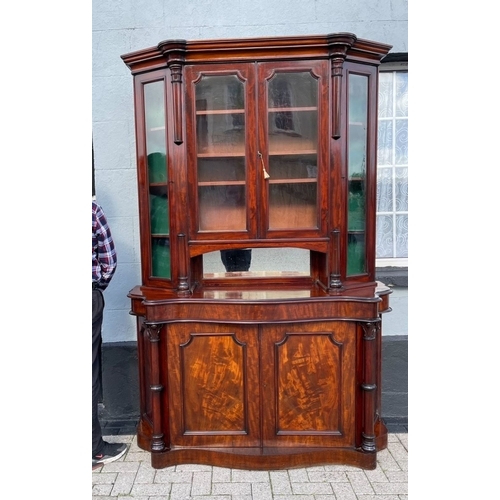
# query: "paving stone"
{"points": [[104, 478], [391, 488], [343, 491], [102, 489], [180, 491], [232, 489], [123, 484], [311, 488], [169, 476], [262, 491], [145, 474], [328, 477], [202, 483], [280, 483], [360, 483], [249, 476]]}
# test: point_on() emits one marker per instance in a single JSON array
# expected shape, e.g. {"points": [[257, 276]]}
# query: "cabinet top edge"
{"points": [[347, 45]]}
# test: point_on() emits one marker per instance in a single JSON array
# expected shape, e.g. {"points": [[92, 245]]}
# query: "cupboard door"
{"points": [[213, 385], [293, 139], [220, 122], [308, 379]]}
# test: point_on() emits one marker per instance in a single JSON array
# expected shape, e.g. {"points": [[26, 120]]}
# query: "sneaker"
{"points": [[110, 453]]}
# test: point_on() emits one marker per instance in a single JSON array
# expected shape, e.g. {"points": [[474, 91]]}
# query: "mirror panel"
{"points": [[257, 262]]}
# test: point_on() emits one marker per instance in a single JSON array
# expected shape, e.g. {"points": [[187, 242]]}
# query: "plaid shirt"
{"points": [[103, 248]]}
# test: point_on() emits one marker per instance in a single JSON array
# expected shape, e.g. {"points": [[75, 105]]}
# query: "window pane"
{"points": [[385, 143], [384, 236], [402, 189], [402, 235], [401, 142], [385, 96], [401, 94], [392, 156], [384, 190]]}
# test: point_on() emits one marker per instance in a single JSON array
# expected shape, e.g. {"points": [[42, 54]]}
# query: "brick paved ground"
{"points": [[132, 477]]}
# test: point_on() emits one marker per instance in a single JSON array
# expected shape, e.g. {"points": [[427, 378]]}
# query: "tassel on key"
{"points": [[266, 175]]}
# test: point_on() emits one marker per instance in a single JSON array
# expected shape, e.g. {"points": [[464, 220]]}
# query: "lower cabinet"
{"points": [[261, 396]]}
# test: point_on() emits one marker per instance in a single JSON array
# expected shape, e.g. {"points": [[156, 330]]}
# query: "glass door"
{"points": [[289, 152], [221, 127]]}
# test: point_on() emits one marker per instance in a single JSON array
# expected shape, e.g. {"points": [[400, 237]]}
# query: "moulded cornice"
{"points": [[248, 49]]}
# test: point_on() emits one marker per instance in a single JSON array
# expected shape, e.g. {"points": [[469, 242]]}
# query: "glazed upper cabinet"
{"points": [[257, 144], [254, 149]]}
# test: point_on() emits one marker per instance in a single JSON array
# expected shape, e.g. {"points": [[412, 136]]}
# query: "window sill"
{"points": [[392, 276]]}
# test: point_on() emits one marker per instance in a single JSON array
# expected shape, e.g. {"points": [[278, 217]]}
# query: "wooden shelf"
{"points": [[295, 108], [236, 153], [221, 183], [305, 180], [242, 111], [220, 112], [221, 154], [298, 152]]}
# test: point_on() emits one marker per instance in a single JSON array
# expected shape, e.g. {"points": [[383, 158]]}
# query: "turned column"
{"points": [[369, 384], [157, 441]]}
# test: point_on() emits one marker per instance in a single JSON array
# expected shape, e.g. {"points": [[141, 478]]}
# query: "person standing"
{"points": [[103, 268]]}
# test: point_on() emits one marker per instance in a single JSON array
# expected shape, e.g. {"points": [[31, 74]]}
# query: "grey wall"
{"points": [[122, 26]]}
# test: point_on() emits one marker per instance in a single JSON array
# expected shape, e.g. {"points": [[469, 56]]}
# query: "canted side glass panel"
{"points": [[154, 106], [293, 151], [160, 249], [221, 163], [356, 151]]}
